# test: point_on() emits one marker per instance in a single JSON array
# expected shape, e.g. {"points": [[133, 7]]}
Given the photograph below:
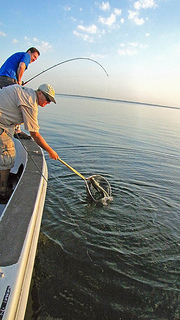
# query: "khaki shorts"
{"points": [[7, 151]]}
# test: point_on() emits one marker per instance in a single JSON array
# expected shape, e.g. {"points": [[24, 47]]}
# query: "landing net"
{"points": [[99, 189]]}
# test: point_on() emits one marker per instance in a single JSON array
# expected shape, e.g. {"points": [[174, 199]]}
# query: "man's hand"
{"points": [[53, 154]]}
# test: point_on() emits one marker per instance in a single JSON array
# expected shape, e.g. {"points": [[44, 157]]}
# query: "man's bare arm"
{"points": [[20, 71], [43, 144]]}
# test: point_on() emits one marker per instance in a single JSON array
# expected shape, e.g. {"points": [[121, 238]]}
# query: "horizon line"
{"points": [[117, 100]]}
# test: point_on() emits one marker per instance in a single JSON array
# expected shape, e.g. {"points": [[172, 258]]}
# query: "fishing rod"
{"points": [[65, 61]]}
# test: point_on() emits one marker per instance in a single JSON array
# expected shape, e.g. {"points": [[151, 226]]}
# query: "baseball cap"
{"points": [[48, 90]]}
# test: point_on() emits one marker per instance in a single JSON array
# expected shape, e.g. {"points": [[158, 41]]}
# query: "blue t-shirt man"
{"points": [[12, 71], [13, 68], [10, 66]]}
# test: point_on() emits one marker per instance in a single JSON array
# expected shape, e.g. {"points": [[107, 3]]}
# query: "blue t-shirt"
{"points": [[10, 66]]}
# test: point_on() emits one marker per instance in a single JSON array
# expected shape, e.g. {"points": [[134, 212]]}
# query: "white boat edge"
{"points": [[15, 279]]}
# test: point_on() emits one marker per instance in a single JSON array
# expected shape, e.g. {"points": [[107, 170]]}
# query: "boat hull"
{"points": [[20, 224]]}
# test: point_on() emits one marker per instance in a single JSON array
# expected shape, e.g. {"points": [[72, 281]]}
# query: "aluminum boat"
{"points": [[20, 221]]}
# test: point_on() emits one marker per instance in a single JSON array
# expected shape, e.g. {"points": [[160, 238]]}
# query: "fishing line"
{"points": [[66, 61], [97, 186]]}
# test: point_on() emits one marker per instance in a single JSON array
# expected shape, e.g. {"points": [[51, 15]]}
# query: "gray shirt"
{"points": [[18, 105]]}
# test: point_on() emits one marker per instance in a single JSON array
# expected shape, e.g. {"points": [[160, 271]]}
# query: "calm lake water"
{"points": [[120, 261]]}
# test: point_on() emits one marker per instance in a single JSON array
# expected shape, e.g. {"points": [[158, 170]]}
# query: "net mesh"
{"points": [[99, 189]]}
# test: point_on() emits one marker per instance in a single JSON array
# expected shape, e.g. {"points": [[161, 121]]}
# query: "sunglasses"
{"points": [[47, 98]]}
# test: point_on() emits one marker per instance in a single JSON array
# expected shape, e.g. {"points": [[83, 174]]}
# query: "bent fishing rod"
{"points": [[65, 61]]}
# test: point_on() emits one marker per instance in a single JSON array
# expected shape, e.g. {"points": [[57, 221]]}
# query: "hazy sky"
{"points": [[137, 42]]}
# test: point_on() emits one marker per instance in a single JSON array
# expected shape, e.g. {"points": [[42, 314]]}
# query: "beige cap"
{"points": [[48, 90]]}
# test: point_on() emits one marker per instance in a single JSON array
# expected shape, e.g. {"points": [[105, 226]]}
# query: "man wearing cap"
{"points": [[19, 105]]}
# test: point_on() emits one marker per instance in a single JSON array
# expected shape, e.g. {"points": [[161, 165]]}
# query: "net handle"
{"points": [[82, 177], [72, 169]]}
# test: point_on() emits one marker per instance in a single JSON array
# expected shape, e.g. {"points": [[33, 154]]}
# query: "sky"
{"points": [[136, 41]]}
